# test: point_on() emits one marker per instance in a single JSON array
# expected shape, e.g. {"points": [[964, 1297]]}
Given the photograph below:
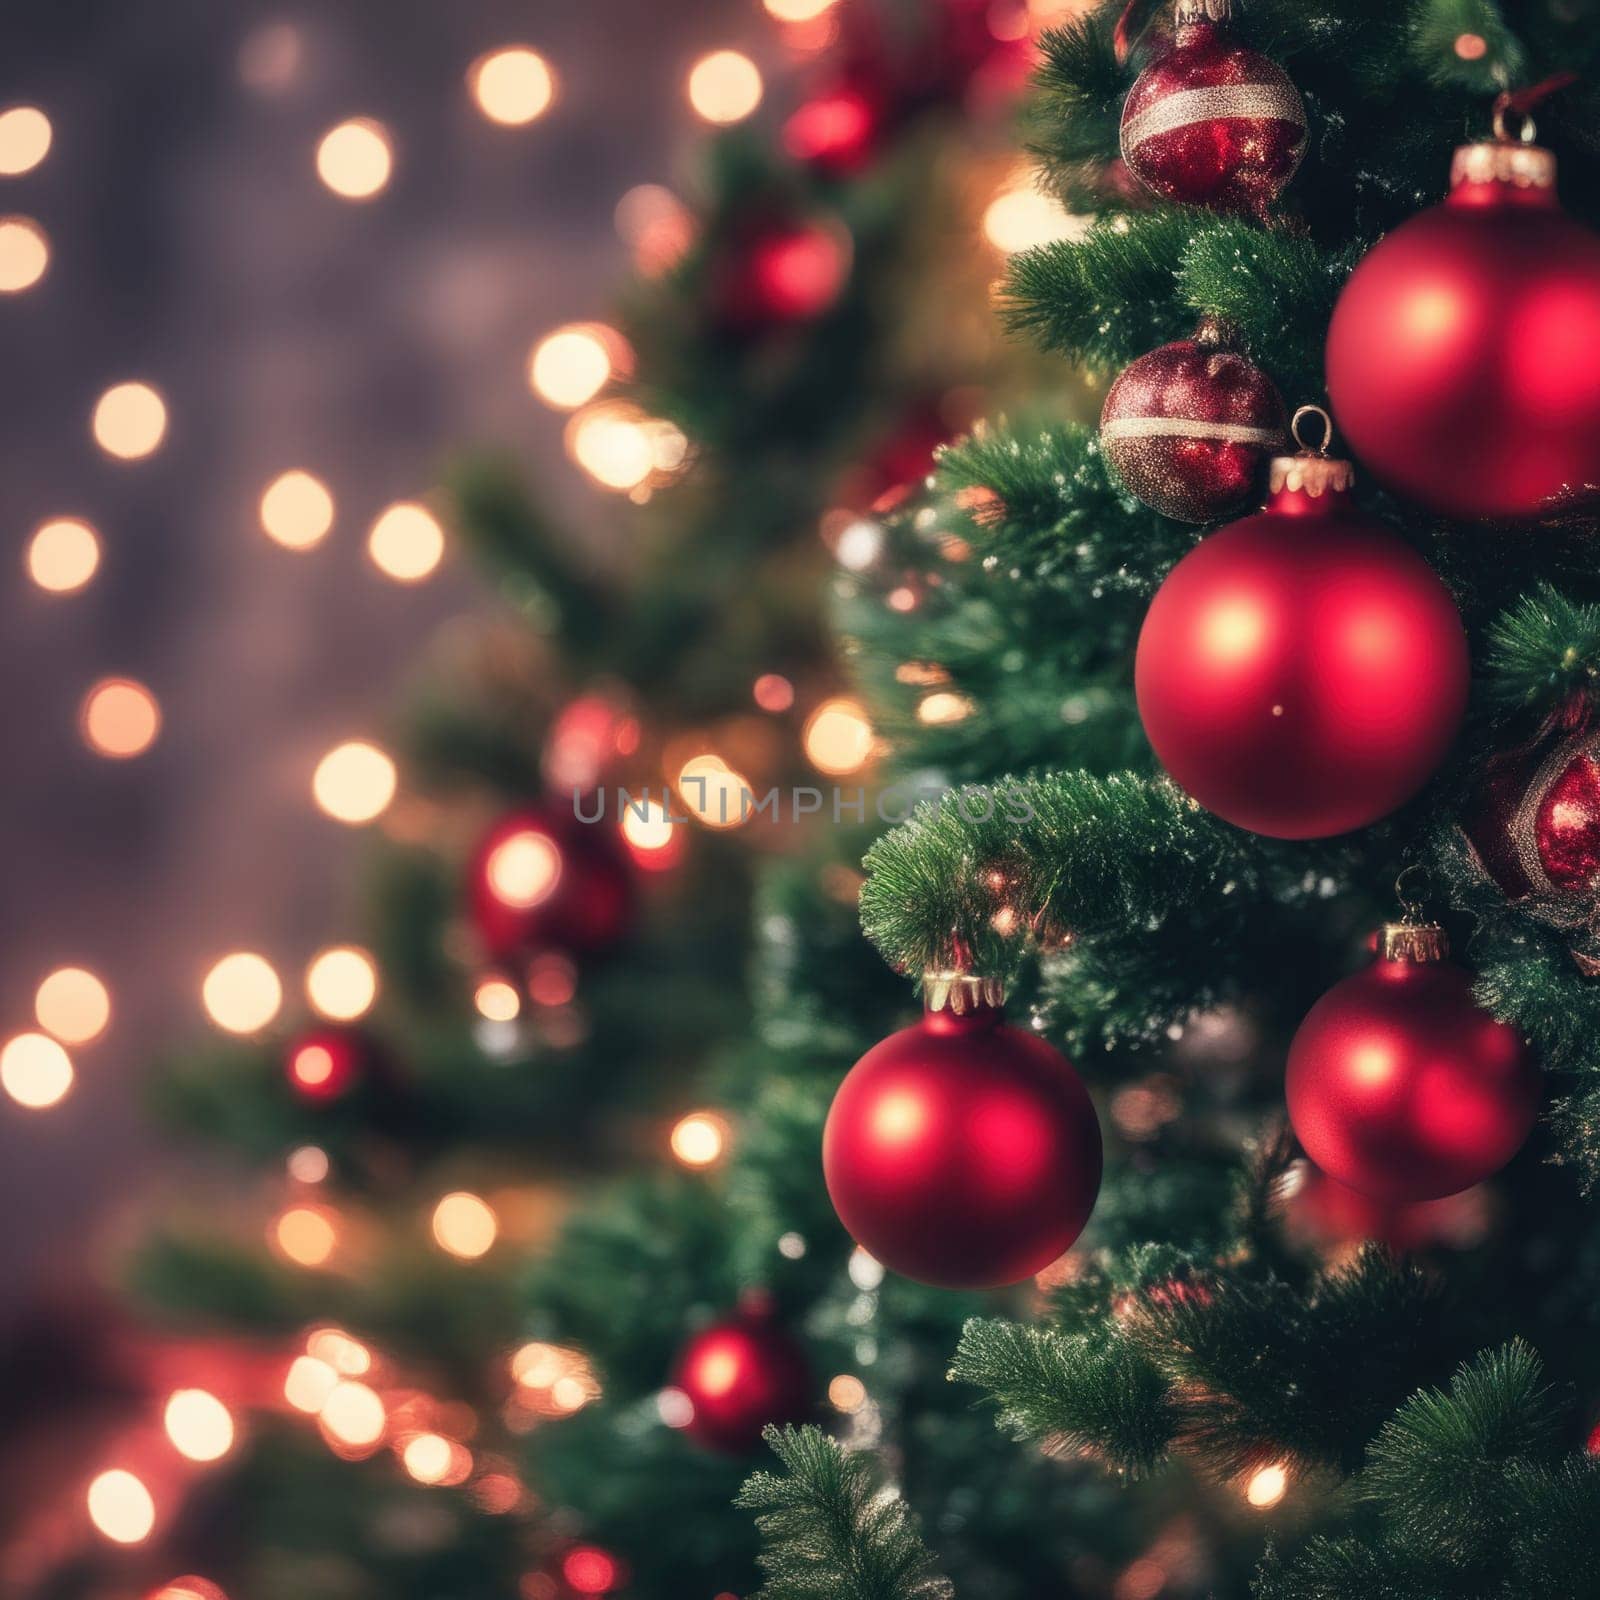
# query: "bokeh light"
{"points": [[572, 364], [307, 1235], [657, 227], [589, 1569], [552, 980], [652, 837], [406, 542], [241, 993], [354, 782], [189, 1587], [714, 793], [308, 1163], [513, 86], [296, 510], [497, 1000], [63, 555], [699, 1139], [1267, 1486], [427, 1457], [24, 254], [612, 443], [838, 737], [847, 1393], [73, 1005], [464, 1225], [119, 719], [724, 86], [342, 983], [24, 139], [1022, 217], [523, 869], [345, 1355], [130, 421], [34, 1070], [198, 1424], [798, 10], [353, 1415], [773, 692], [120, 1507], [308, 1383], [355, 159]]}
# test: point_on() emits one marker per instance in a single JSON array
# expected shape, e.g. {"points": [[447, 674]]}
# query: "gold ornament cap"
{"points": [[1418, 942], [1185, 12], [1313, 471], [961, 992], [1509, 158]]}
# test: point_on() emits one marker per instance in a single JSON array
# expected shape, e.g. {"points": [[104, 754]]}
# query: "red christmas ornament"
{"points": [[837, 130], [1210, 123], [1464, 354], [1302, 672], [962, 1152], [1190, 427], [543, 880], [1400, 1085], [740, 1374], [1333, 1216], [781, 273], [326, 1064]]}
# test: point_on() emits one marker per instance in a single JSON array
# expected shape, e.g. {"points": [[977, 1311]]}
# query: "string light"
{"points": [[651, 835], [497, 1000], [130, 421], [724, 87], [24, 139], [354, 159], [24, 254], [342, 983], [119, 719], [698, 1139], [296, 510], [612, 444], [859, 545], [353, 1416], [73, 1005], [308, 1384], [306, 1235], [198, 1424], [570, 366], [121, 1507], [464, 1225], [937, 710], [1267, 1486], [406, 542], [35, 1071], [514, 86], [838, 737], [523, 870], [847, 1393], [241, 993], [433, 1459], [354, 782], [63, 555]]}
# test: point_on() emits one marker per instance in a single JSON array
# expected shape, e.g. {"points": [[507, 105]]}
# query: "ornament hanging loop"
{"points": [[1300, 417], [1413, 938], [1505, 108], [1412, 889]]}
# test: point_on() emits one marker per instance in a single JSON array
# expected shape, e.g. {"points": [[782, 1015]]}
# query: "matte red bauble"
{"points": [[781, 273], [326, 1064], [543, 880], [1464, 354], [1400, 1085], [1302, 672], [1331, 1215], [962, 1152], [1190, 427], [1210, 123], [740, 1374]]}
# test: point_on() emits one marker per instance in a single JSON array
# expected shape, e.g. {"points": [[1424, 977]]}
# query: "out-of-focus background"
{"points": [[190, 243]]}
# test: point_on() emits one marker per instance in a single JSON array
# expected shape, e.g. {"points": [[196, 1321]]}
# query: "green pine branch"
{"points": [[1542, 650]]}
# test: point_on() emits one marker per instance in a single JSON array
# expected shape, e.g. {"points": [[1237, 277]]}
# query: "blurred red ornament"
{"points": [[543, 880], [1210, 123], [1302, 672], [836, 130], [1329, 1213], [782, 273], [1400, 1085], [1593, 1443], [1464, 353], [740, 1374], [900, 461], [963, 1152], [586, 739], [1190, 427], [327, 1064]]}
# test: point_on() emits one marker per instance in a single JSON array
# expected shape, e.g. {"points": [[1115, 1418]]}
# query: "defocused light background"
{"points": [[262, 268]]}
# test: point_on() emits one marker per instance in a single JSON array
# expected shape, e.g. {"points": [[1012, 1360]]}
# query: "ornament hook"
{"points": [[1505, 106], [1412, 889], [1327, 430]]}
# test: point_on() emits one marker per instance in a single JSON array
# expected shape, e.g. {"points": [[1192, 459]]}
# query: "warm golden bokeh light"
{"points": [[73, 1005], [353, 1415], [355, 159], [943, 707], [524, 869], [189, 1588], [648, 826], [847, 1393], [296, 510], [569, 367], [24, 139], [198, 1424], [345, 1355], [342, 983], [497, 1001], [513, 86], [34, 1070], [838, 737], [712, 791], [798, 10], [241, 993], [724, 86], [306, 1235], [119, 719], [612, 443], [1267, 1486], [1021, 217], [63, 555], [130, 421], [656, 225], [698, 1139], [464, 1225], [24, 254], [406, 542], [120, 1507], [308, 1163], [308, 1383], [354, 782], [431, 1458]]}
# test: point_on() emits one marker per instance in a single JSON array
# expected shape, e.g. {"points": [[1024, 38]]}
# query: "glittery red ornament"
{"points": [[1210, 123], [1190, 427], [1400, 1085], [543, 880], [740, 1374], [1464, 353], [1302, 672], [963, 1152], [326, 1064]]}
